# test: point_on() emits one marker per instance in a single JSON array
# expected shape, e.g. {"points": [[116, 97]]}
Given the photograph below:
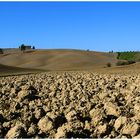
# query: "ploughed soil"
{"points": [[70, 105]]}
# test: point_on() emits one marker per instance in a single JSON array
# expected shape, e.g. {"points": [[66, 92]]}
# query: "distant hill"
{"points": [[58, 59]]}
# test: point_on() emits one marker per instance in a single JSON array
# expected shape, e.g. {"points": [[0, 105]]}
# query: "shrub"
{"points": [[131, 61], [120, 63], [138, 59], [108, 64]]}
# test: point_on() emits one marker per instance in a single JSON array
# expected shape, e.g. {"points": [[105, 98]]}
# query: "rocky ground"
{"points": [[70, 105]]}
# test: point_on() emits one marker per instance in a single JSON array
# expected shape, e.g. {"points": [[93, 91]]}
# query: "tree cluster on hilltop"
{"points": [[25, 47]]}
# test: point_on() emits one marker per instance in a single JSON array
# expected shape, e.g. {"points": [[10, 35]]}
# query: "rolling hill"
{"points": [[58, 59]]}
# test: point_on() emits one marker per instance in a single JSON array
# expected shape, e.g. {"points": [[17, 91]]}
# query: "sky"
{"points": [[99, 26]]}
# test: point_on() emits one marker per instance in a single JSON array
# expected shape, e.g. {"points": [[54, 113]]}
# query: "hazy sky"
{"points": [[100, 26]]}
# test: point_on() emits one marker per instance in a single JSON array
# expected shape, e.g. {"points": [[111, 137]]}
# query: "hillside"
{"points": [[58, 59], [10, 70]]}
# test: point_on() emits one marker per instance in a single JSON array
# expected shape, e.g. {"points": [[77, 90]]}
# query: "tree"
{"points": [[1, 51], [111, 51], [22, 47], [33, 48]]}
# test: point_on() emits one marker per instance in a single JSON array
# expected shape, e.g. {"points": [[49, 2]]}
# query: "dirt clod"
{"points": [[45, 124], [16, 132]]}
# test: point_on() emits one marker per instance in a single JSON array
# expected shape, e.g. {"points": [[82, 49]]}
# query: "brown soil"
{"points": [[58, 59], [70, 105], [10, 70]]}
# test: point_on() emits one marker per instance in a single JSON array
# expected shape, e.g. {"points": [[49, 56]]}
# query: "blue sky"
{"points": [[100, 26]]}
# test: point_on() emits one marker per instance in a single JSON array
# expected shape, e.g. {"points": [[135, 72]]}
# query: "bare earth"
{"points": [[78, 98], [70, 105], [58, 59]]}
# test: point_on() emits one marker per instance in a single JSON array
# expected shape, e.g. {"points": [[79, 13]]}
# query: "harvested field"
{"points": [[58, 59], [70, 105], [9, 70]]}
